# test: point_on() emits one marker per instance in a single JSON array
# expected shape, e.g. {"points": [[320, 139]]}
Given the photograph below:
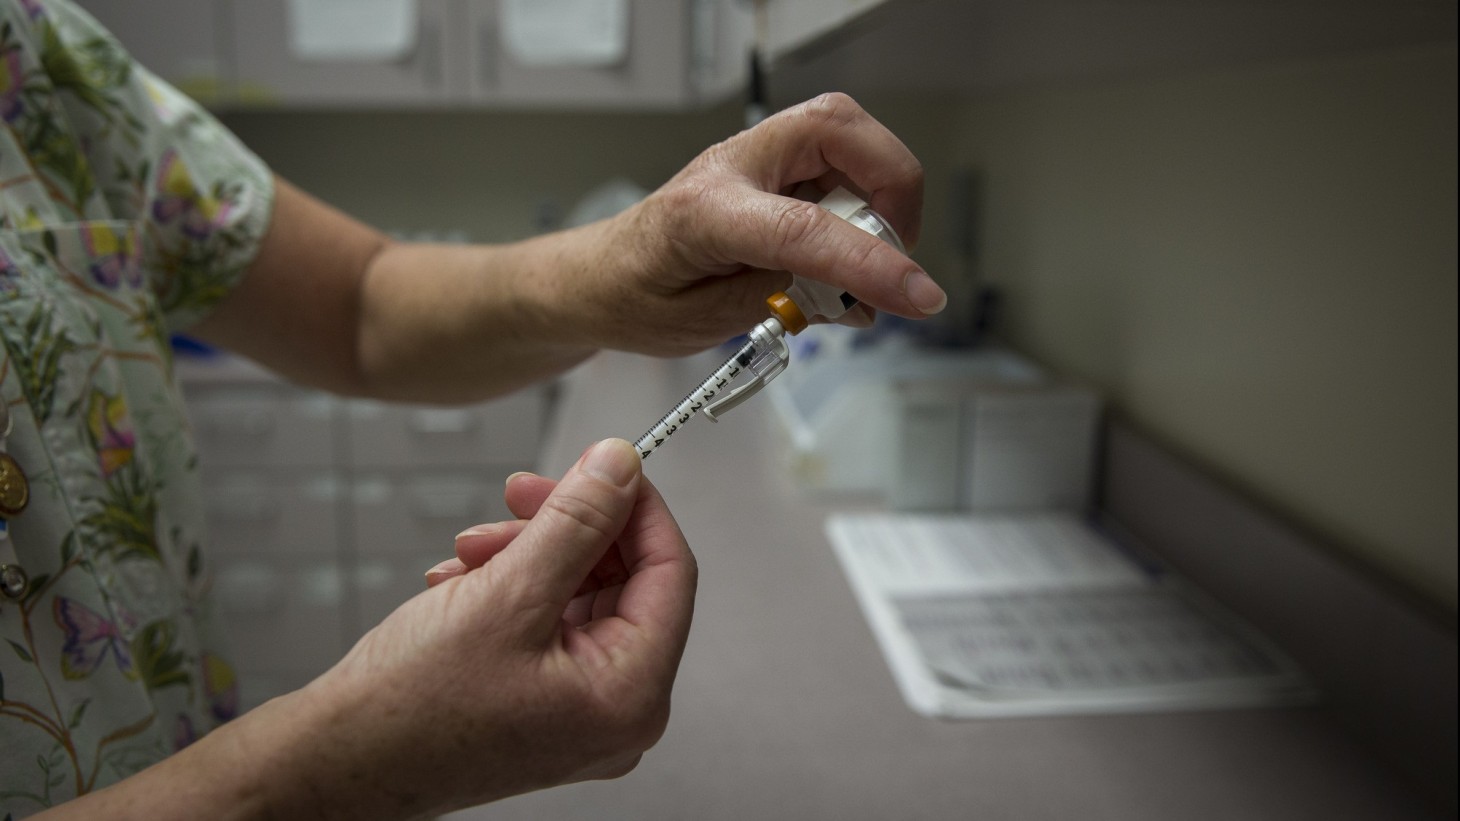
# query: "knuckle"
{"points": [[646, 726], [635, 718], [692, 570], [833, 107], [595, 516], [798, 222], [684, 195], [860, 256], [914, 171]]}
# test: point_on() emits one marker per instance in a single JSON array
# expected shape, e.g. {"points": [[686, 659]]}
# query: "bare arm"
{"points": [[333, 303]]}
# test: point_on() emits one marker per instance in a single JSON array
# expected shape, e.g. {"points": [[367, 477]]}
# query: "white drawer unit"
{"points": [[324, 514]]}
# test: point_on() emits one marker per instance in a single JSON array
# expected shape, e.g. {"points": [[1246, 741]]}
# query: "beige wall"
{"points": [[1259, 267]]}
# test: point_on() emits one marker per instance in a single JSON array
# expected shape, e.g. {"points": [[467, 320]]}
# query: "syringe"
{"points": [[765, 354]]}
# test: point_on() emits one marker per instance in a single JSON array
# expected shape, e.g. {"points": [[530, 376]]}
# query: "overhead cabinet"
{"points": [[284, 54], [650, 53], [670, 54], [657, 54]]}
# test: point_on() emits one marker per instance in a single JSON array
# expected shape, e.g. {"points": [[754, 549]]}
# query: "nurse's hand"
{"points": [[693, 264], [511, 678]]}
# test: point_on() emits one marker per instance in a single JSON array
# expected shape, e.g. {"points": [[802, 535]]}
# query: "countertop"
{"points": [[785, 709]]}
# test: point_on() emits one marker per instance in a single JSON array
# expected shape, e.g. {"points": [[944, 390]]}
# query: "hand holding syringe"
{"points": [[765, 353]]}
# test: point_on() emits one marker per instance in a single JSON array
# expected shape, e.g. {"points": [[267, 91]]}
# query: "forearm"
{"points": [[255, 767], [331, 303], [460, 322]]}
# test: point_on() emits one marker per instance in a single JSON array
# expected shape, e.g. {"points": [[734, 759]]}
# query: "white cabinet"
{"points": [[654, 69], [270, 70], [176, 39], [678, 53]]}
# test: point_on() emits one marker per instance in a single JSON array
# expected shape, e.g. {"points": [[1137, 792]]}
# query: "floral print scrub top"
{"points": [[125, 213]]}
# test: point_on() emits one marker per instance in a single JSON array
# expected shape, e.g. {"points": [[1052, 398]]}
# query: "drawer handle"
{"points": [[250, 589], [243, 424], [246, 508], [442, 422], [445, 507]]}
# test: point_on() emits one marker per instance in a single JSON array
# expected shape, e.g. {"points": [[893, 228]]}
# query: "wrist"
{"points": [[585, 288], [317, 753]]}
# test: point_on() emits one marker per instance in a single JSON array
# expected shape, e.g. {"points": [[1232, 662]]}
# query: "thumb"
{"points": [[572, 530]]}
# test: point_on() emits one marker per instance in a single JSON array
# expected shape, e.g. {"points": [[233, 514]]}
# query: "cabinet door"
{"points": [[793, 24], [655, 71], [271, 71], [175, 39]]}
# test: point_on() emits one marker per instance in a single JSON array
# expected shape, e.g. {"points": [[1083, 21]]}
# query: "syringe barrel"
{"points": [[702, 395], [763, 354]]}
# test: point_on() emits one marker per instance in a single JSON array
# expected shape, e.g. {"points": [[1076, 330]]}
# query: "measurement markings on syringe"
{"points": [[696, 401]]}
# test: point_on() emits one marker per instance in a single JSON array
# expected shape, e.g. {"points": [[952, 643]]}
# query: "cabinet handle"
{"points": [[442, 422], [248, 424], [445, 507], [487, 54], [250, 589], [242, 507], [431, 57]]}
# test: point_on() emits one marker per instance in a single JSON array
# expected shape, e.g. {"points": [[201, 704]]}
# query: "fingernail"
{"points": [[612, 460], [514, 476], [445, 567], [924, 293], [479, 530]]}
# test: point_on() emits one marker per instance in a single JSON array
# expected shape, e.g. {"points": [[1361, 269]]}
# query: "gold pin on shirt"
{"points": [[14, 487]]}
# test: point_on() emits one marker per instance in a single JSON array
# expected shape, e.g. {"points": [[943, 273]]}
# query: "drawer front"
{"points": [[253, 512], [263, 426], [505, 431], [422, 511]]}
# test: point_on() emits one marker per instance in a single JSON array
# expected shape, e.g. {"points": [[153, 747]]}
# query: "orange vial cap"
{"points": [[790, 316]]}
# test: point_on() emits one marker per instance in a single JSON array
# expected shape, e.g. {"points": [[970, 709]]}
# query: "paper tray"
{"points": [[1008, 615]]}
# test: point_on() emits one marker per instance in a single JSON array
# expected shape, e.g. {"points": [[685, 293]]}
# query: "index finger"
{"points": [[769, 231], [833, 134]]}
